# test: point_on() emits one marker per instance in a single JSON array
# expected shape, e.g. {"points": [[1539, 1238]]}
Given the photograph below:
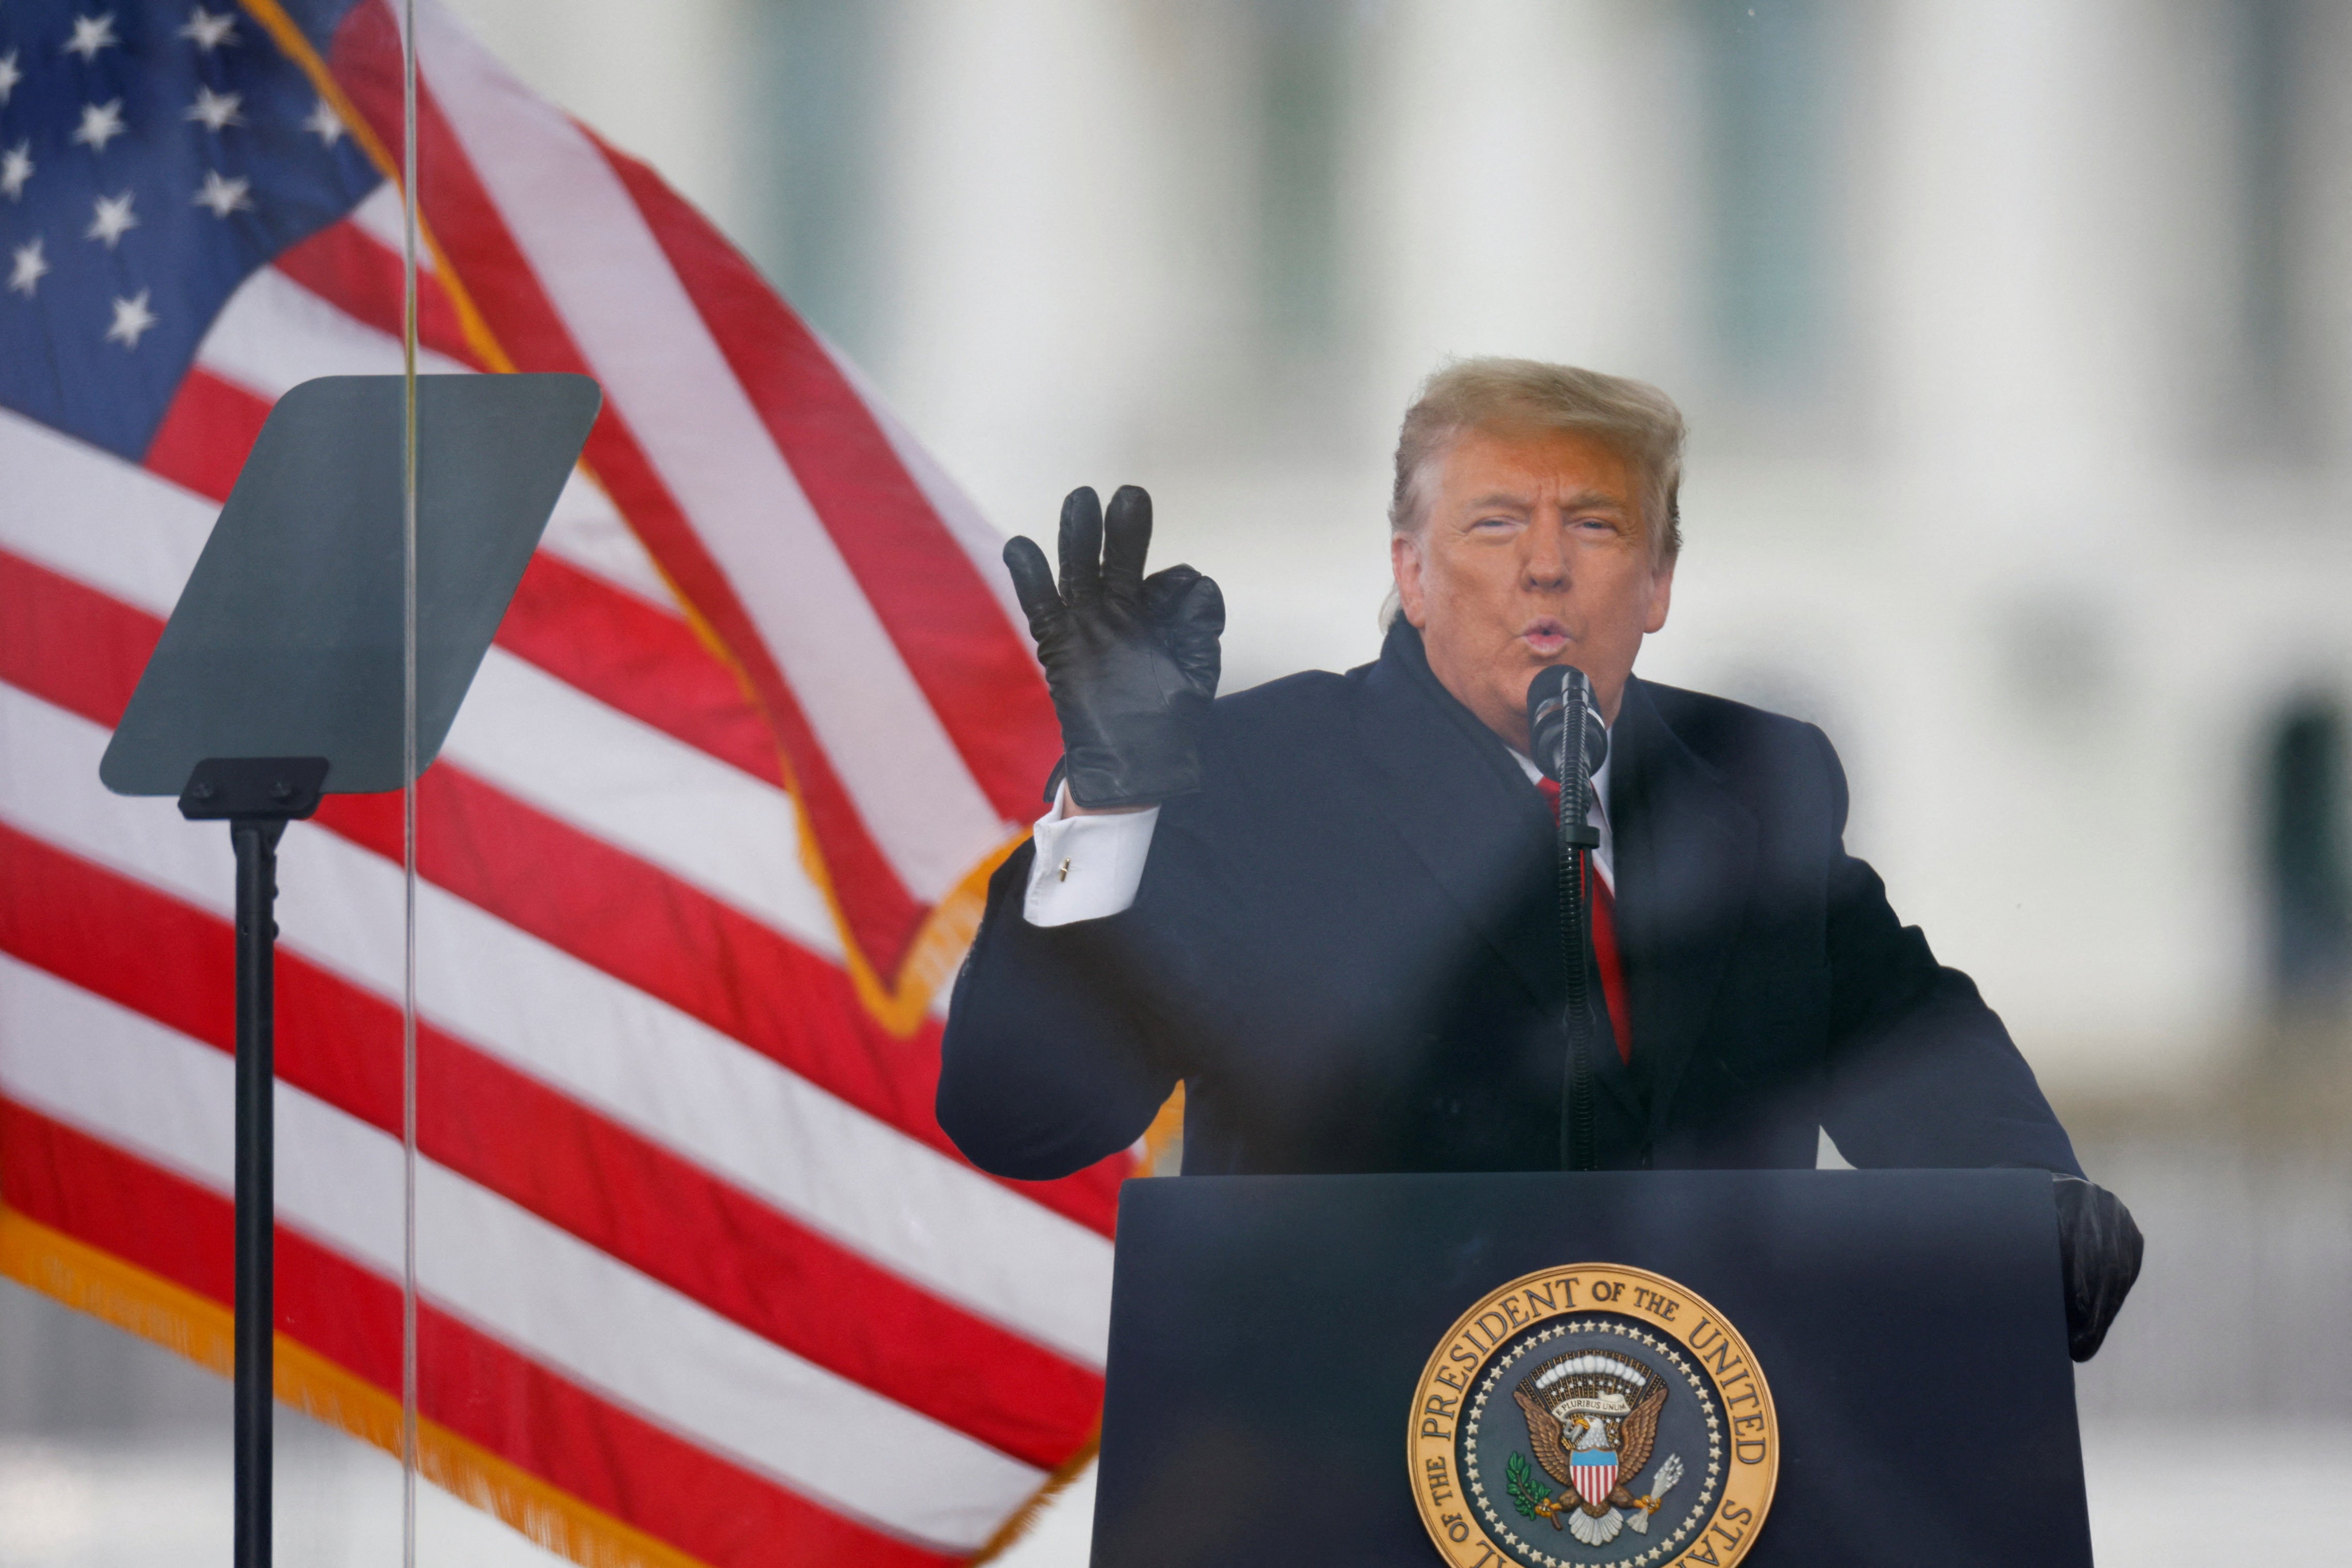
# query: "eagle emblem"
{"points": [[1592, 1421], [1556, 1414]]}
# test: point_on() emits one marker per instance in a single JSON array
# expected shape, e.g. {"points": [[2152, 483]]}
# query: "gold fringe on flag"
{"points": [[1024, 1519], [163, 1313]]}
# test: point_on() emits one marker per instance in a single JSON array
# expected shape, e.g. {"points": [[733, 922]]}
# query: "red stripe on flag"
{"points": [[477, 1387], [974, 668], [613, 1188], [69, 645], [207, 433], [359, 275], [882, 916]]}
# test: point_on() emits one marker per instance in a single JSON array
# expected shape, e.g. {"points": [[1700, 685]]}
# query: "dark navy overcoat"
{"points": [[1347, 947]]}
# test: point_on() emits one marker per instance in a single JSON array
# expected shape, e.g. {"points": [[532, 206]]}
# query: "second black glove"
{"points": [[2099, 1251]]}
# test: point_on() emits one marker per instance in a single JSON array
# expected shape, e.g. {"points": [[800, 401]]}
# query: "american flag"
{"points": [[702, 1279]]}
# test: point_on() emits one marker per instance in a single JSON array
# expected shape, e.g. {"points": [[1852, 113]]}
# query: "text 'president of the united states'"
{"points": [[1328, 904]]}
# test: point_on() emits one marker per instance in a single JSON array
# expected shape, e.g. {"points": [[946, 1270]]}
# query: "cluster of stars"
{"points": [[1533, 1551], [113, 216]]}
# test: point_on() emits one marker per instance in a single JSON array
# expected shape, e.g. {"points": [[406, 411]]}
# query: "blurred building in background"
{"points": [[2017, 357], [2012, 332]]}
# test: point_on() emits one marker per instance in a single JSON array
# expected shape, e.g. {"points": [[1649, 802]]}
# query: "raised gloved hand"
{"points": [[1132, 660], [2098, 1258]]}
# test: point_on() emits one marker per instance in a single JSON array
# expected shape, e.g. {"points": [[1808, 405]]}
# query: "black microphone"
{"points": [[1559, 704], [1561, 716], [1558, 693]]}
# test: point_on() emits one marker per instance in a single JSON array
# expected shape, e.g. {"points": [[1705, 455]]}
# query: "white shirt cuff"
{"points": [[1087, 867]]}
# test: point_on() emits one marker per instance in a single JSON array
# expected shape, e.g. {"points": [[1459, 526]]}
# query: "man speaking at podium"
{"points": [[1330, 906]]}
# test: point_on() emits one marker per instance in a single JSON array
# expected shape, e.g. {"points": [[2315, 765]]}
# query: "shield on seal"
{"points": [[1594, 1472]]}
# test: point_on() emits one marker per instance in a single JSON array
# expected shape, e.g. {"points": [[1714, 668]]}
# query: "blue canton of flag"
{"points": [[152, 157]]}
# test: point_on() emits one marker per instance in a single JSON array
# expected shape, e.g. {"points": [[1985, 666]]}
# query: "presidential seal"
{"points": [[1593, 1414]]}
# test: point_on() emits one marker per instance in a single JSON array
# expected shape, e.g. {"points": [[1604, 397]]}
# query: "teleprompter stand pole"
{"points": [[257, 797], [256, 1204]]}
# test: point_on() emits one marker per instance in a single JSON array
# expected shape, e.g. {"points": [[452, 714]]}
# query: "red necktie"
{"points": [[1602, 905]]}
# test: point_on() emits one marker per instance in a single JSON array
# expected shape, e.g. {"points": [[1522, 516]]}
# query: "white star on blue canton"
{"points": [[325, 123], [216, 111], [26, 275], [223, 196], [15, 168], [131, 318], [209, 32], [90, 35], [100, 123], [11, 73], [113, 216]]}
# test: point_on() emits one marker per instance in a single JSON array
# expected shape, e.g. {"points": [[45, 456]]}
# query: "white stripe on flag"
{"points": [[645, 340], [274, 333], [587, 531], [121, 1077], [710, 1100], [380, 218], [95, 519]]}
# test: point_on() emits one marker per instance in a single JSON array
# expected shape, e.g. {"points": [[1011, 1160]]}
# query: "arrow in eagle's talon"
{"points": [[1669, 1476]]}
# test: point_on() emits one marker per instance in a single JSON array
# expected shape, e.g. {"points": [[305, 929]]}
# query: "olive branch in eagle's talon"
{"points": [[1529, 1495]]}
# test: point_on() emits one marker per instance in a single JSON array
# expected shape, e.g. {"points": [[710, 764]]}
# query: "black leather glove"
{"points": [[2098, 1258], [1132, 660]]}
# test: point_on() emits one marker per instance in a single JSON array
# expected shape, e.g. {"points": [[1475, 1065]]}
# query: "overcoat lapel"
{"points": [[1686, 853], [1462, 804]]}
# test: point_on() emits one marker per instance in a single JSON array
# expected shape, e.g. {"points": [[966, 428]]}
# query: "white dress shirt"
{"points": [[1088, 867]]}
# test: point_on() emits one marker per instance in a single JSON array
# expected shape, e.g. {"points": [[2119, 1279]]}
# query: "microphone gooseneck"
{"points": [[1570, 743]]}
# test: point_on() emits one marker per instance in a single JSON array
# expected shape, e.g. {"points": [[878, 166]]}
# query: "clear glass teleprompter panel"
{"points": [[490, 1242]]}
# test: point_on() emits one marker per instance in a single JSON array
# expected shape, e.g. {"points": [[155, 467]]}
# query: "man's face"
{"points": [[1532, 552]]}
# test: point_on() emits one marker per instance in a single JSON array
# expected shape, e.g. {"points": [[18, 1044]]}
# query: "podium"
{"points": [[1271, 1338]]}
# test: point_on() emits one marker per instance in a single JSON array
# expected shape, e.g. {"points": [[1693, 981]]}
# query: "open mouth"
{"points": [[1544, 635]]}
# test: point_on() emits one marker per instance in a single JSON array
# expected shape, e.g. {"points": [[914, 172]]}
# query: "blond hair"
{"points": [[1633, 419]]}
